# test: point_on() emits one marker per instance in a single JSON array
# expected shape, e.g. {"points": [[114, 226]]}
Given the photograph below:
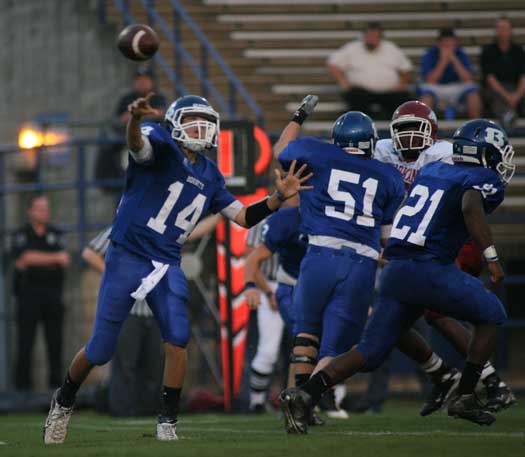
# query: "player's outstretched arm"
{"points": [[138, 109], [254, 278], [478, 227], [204, 227], [292, 130], [287, 186]]}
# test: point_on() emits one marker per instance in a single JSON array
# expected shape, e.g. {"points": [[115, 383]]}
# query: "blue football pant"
{"points": [[332, 296], [408, 287], [123, 274]]}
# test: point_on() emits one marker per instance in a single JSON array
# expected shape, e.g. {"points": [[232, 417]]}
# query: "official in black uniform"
{"points": [[40, 260]]}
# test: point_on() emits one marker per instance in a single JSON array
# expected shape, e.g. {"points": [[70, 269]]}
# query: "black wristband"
{"points": [[299, 116], [249, 285], [256, 212], [281, 197]]}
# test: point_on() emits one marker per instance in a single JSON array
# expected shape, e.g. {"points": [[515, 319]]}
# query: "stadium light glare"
{"points": [[32, 136]]}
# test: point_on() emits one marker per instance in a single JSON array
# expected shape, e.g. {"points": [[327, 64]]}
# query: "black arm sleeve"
{"points": [[256, 212]]}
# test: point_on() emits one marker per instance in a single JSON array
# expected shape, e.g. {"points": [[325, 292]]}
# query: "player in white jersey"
{"points": [[414, 144]]}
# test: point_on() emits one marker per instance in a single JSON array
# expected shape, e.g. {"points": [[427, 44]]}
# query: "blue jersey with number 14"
{"points": [[430, 225], [352, 196], [165, 196]]}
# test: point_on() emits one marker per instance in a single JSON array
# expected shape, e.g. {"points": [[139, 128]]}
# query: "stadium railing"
{"points": [[182, 56]]}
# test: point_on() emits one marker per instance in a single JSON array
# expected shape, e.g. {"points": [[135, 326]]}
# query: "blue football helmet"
{"points": [[355, 131], [207, 128], [484, 143]]}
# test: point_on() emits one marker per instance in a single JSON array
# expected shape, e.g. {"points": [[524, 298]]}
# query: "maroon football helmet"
{"points": [[413, 129]]}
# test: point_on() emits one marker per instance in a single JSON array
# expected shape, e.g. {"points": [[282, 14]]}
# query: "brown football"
{"points": [[138, 42]]}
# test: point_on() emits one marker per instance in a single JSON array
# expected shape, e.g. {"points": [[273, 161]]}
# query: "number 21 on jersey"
{"points": [[418, 237]]}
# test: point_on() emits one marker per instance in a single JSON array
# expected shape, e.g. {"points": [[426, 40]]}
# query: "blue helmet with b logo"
{"points": [[356, 131], [484, 143]]}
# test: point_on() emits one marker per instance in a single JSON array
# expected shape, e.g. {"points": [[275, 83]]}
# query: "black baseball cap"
{"points": [[143, 71], [447, 32]]}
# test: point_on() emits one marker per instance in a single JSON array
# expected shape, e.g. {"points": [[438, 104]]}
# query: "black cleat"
{"points": [[499, 395], [441, 392], [296, 406], [469, 408]]}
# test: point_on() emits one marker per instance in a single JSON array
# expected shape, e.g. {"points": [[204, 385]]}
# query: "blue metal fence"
{"points": [[81, 180]]}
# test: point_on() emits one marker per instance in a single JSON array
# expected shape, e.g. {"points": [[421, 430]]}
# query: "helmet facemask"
{"points": [[506, 168], [206, 128], [411, 135]]}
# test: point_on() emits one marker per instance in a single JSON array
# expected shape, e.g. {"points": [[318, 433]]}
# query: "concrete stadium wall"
{"points": [[55, 56]]}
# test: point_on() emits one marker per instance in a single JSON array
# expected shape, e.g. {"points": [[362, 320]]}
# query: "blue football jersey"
{"points": [[281, 234], [165, 197], [430, 224], [352, 196]]}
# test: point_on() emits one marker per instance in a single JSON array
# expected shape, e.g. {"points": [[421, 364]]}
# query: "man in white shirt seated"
{"points": [[372, 73]]}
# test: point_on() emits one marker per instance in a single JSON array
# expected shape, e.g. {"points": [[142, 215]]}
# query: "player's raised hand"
{"points": [[496, 272], [306, 108], [141, 107], [252, 297], [293, 182]]}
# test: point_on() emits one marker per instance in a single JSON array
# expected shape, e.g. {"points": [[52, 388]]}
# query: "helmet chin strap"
{"points": [[193, 147]]}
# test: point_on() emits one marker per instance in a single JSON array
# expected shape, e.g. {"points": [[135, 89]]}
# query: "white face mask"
{"points": [[506, 168], [414, 139], [198, 134]]}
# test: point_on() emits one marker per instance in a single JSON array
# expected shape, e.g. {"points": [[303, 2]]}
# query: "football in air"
{"points": [[138, 42]]}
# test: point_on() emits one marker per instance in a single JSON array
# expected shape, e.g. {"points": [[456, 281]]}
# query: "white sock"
{"points": [[257, 398], [488, 369], [432, 364]]}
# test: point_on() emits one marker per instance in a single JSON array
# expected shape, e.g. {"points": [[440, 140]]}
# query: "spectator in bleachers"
{"points": [[40, 262], [372, 72], [109, 163], [503, 73], [143, 84], [448, 79]]}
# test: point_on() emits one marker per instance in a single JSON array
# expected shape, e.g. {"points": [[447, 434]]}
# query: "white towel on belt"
{"points": [[148, 283]]}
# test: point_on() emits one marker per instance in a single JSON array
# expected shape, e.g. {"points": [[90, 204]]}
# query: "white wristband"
{"points": [[490, 254]]}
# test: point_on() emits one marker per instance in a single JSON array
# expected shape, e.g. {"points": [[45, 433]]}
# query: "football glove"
{"points": [[305, 109]]}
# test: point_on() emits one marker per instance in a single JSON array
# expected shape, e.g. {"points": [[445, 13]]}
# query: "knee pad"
{"points": [[302, 341]]}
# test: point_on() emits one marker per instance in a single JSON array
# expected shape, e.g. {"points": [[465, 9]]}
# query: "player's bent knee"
{"points": [[99, 354], [373, 357], [499, 315], [181, 339]]}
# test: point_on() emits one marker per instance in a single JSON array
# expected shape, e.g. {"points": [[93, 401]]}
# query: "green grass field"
{"points": [[399, 431]]}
